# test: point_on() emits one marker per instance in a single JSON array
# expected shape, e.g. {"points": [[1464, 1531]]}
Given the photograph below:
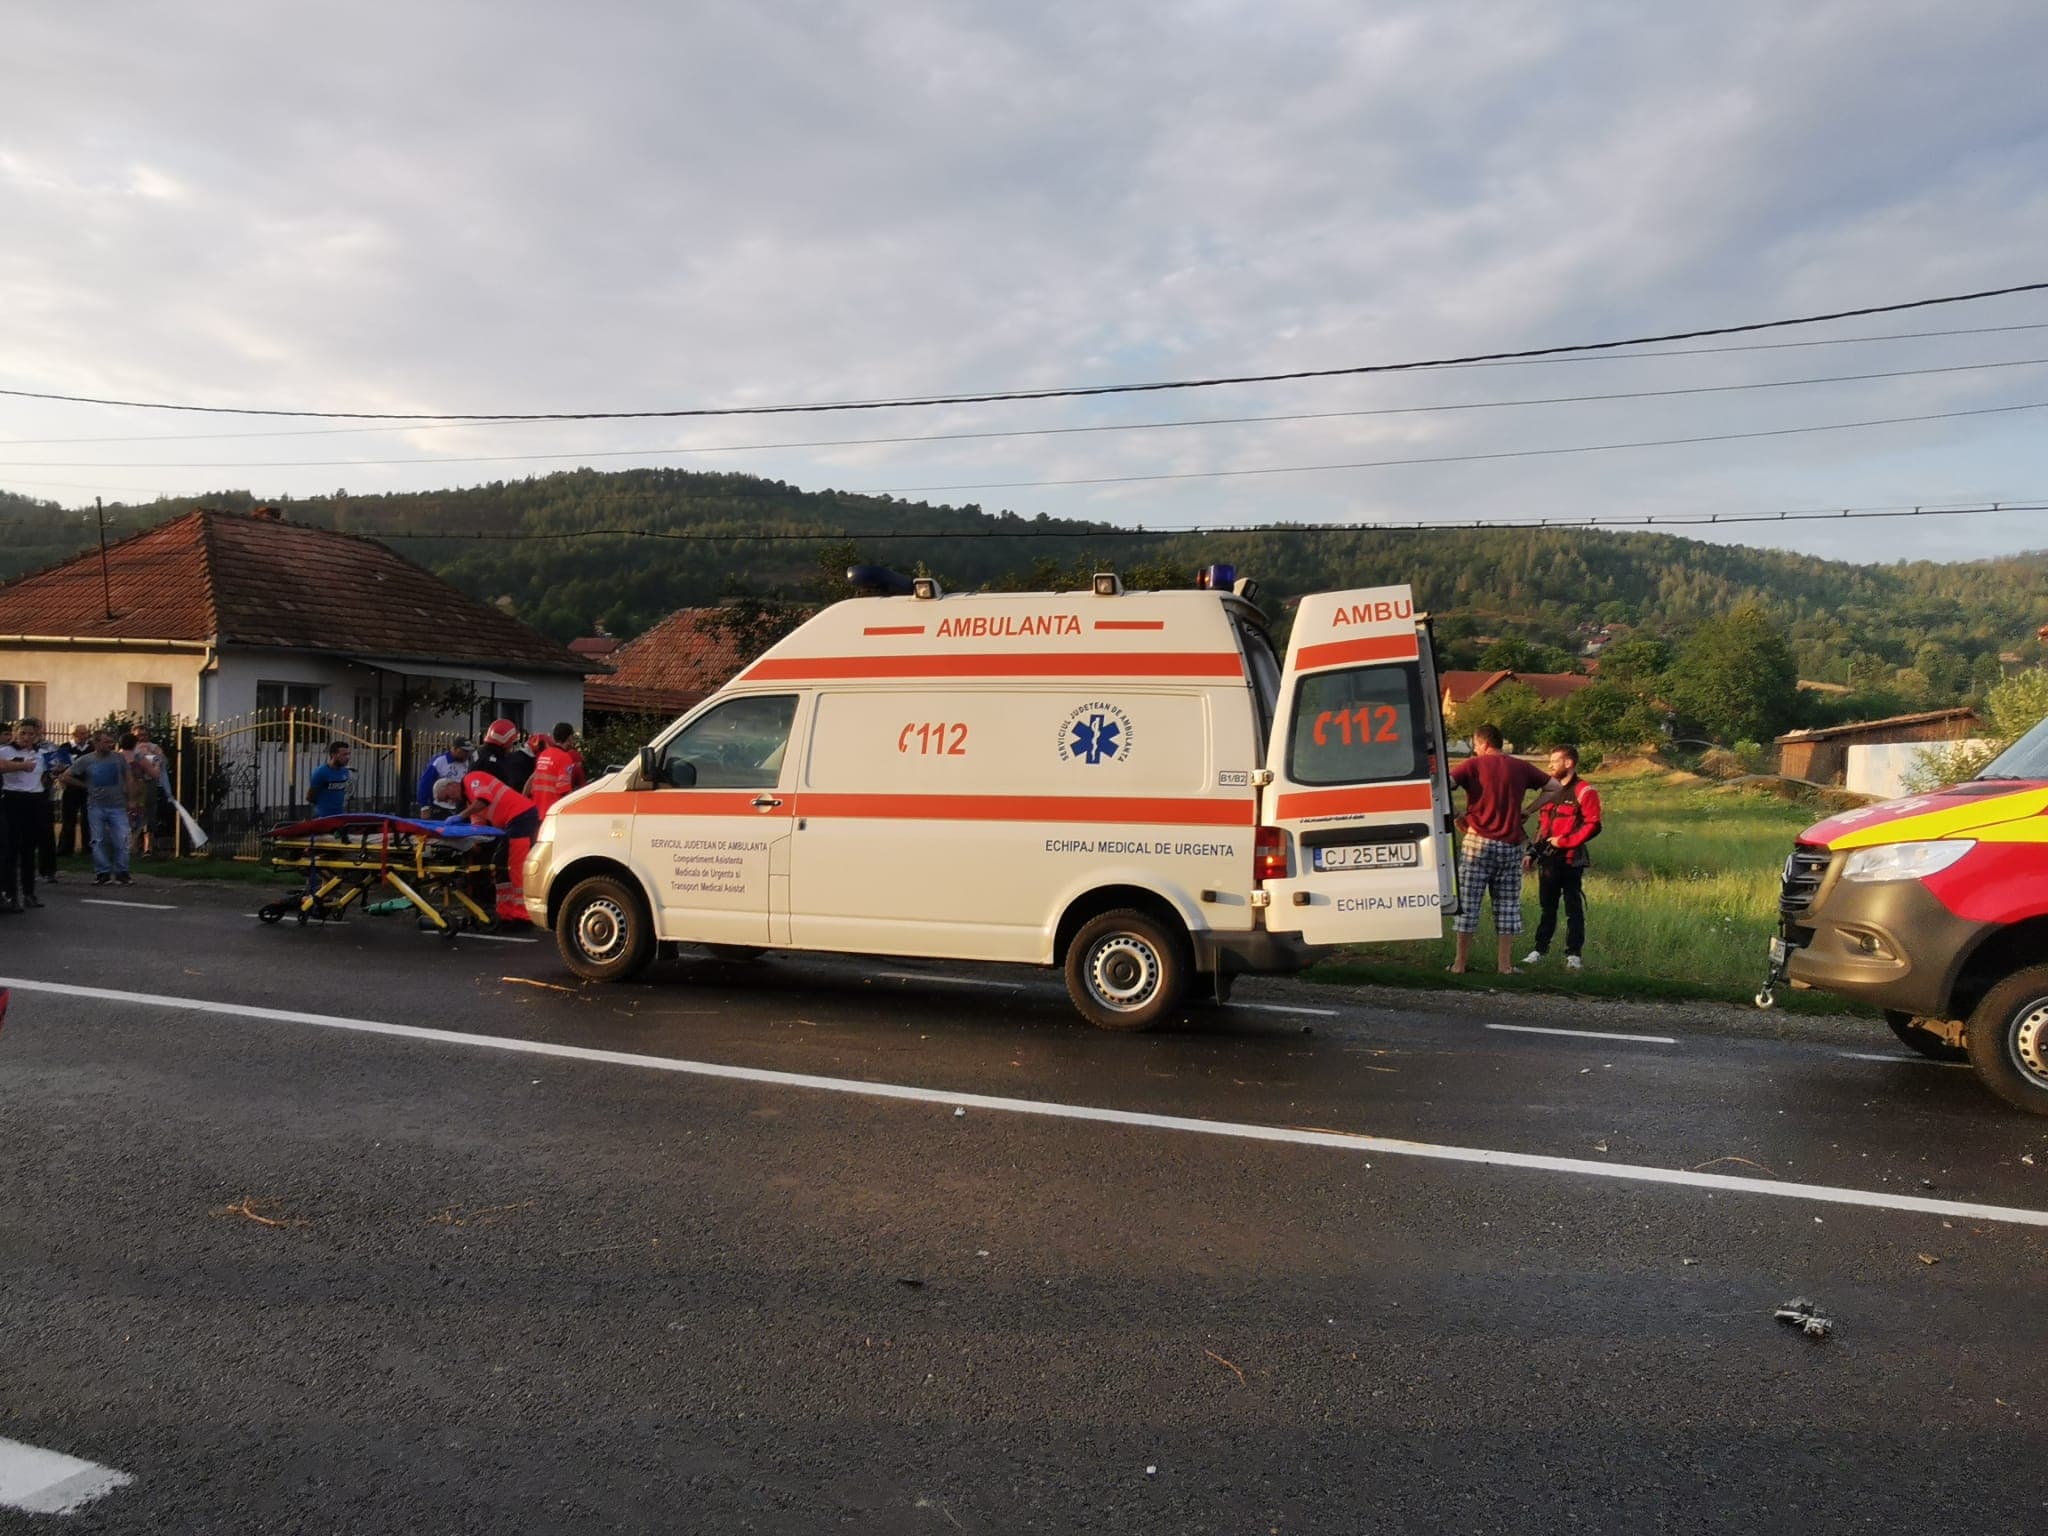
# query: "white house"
{"points": [[215, 614]]}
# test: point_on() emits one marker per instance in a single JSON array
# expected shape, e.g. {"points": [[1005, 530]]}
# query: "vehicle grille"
{"points": [[1803, 874]]}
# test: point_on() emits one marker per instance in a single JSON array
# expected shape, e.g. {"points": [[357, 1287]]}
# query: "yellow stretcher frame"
{"points": [[429, 873]]}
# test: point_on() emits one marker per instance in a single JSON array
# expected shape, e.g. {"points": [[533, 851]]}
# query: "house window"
{"points": [[18, 699], [287, 695], [513, 710], [149, 701]]}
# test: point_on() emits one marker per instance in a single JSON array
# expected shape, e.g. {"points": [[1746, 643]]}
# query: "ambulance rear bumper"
{"points": [[1253, 952]]}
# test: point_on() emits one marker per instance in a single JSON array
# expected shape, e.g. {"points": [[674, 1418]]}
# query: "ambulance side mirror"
{"points": [[650, 767]]}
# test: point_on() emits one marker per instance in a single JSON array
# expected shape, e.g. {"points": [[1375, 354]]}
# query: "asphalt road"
{"points": [[649, 1258]]}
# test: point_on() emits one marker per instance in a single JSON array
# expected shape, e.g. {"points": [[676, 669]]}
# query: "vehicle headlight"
{"points": [[1905, 861]]}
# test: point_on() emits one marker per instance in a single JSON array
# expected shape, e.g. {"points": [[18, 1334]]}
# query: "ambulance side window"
{"points": [[1264, 667], [738, 745], [1358, 725]]}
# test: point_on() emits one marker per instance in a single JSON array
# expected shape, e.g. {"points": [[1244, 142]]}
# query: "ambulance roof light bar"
{"points": [[1216, 578], [1108, 584]]}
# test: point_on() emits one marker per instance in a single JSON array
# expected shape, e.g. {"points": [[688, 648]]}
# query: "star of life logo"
{"points": [[1096, 733]]}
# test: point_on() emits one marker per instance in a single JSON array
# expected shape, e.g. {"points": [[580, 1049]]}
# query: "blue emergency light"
{"points": [[1216, 578]]}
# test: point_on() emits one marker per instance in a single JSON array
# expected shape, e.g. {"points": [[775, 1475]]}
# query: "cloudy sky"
{"points": [[509, 207]]}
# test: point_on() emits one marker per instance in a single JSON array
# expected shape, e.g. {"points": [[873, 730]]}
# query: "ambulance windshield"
{"points": [[1360, 725], [2026, 758]]}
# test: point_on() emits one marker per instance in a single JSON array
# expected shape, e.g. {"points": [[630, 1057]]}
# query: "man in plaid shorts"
{"points": [[1490, 857]]}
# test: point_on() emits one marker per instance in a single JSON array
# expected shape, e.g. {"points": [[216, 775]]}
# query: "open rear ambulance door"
{"points": [[1357, 783]]}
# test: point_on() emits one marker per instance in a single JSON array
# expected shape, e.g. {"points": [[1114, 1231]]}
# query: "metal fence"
{"points": [[242, 775]]}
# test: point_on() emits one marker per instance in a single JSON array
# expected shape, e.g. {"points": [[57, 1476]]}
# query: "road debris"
{"points": [[1223, 1362], [1805, 1316], [528, 981], [959, 1114], [246, 1208], [910, 1280], [1927, 1258], [1747, 1162]]}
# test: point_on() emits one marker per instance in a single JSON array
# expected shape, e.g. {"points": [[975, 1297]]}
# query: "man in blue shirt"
{"points": [[447, 767], [329, 791]]}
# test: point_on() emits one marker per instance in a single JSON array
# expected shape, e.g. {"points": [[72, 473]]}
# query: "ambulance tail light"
{"points": [[1269, 855]]}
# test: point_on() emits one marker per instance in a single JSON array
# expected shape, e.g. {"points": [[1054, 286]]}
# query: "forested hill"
{"points": [[1946, 624]]}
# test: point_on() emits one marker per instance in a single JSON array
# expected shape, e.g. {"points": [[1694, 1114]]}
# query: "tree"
{"points": [[1734, 679], [1515, 709], [1635, 663]]}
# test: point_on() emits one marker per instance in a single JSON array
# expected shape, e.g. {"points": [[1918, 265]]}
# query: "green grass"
{"points": [[1681, 902]]}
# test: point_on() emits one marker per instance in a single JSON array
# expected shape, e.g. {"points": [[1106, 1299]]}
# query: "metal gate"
{"points": [[241, 775]]}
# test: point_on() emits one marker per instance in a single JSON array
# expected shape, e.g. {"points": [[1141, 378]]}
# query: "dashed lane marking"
{"points": [[1900, 1061], [41, 1482], [951, 981], [1583, 1034], [147, 906], [1340, 1141], [1318, 1013]]}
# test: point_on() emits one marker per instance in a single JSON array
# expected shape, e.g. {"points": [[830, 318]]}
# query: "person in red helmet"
{"points": [[501, 757], [493, 802]]}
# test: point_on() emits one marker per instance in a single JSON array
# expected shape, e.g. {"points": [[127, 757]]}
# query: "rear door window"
{"points": [[1358, 725]]}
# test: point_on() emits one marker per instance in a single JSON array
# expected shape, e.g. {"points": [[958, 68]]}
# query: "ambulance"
{"points": [[1128, 785], [1935, 909]]}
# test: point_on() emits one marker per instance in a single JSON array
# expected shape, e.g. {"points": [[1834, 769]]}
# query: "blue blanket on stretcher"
{"points": [[360, 821]]}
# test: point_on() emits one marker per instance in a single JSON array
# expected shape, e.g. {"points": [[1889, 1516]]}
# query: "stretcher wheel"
{"points": [[273, 913]]}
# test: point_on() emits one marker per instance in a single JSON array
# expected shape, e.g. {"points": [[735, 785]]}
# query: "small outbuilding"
{"points": [[1822, 756]]}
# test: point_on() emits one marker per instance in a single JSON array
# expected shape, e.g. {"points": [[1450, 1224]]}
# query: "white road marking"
{"points": [[147, 906], [1900, 1061], [44, 1482], [1320, 1013], [951, 981], [1342, 1141], [1584, 1034], [495, 938]]}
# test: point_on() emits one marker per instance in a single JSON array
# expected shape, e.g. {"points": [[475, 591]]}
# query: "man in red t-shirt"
{"points": [[493, 801], [1490, 857], [1559, 858]]}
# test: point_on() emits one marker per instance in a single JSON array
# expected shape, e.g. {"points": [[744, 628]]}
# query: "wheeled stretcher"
{"points": [[442, 870]]}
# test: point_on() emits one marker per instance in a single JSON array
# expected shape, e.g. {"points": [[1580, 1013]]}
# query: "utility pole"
{"points": [[106, 582]]}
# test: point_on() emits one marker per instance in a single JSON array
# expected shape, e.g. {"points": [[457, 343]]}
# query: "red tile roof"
{"points": [[596, 647], [1552, 686], [666, 670], [1461, 687], [233, 579]]}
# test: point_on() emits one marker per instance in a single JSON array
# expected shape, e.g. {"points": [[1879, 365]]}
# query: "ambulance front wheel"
{"points": [[603, 930], [1126, 970]]}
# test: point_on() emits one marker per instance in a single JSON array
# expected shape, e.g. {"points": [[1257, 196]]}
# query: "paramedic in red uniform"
{"points": [[494, 802], [1490, 857], [554, 773], [1559, 857]]}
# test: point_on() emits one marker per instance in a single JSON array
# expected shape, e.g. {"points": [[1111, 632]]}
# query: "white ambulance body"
{"points": [[1129, 785]]}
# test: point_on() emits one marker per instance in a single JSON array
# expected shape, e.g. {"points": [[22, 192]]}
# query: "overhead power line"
{"points": [[1078, 391], [1459, 458], [1678, 520], [956, 437], [419, 424]]}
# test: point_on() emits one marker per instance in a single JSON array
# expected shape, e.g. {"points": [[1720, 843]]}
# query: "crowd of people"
{"points": [[98, 792]]}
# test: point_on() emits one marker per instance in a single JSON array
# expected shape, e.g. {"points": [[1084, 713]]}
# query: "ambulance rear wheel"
{"points": [[2009, 1039], [603, 930], [1126, 970]]}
